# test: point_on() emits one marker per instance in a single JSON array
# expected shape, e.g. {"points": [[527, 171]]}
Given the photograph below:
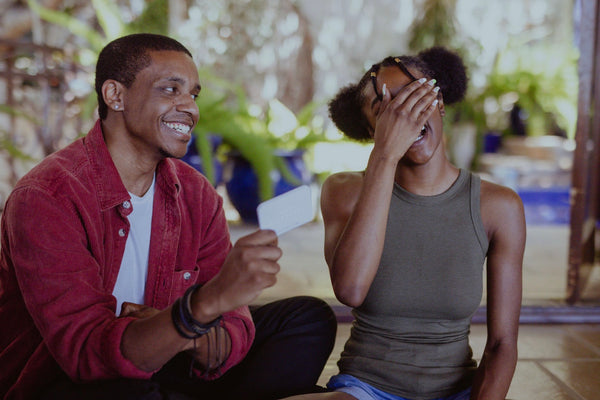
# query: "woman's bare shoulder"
{"points": [[341, 190], [500, 204], [494, 193], [344, 178]]}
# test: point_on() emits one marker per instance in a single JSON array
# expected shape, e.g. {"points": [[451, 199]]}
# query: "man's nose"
{"points": [[187, 103]]}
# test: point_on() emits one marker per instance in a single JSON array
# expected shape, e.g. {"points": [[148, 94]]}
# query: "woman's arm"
{"points": [[355, 208], [503, 216]]}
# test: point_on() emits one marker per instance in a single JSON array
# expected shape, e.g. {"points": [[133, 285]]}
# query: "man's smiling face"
{"points": [[159, 108]]}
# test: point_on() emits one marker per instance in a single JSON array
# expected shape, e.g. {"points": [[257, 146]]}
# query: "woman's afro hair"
{"points": [[449, 71], [438, 63]]}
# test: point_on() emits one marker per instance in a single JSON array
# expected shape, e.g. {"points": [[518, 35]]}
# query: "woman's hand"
{"points": [[399, 119]]}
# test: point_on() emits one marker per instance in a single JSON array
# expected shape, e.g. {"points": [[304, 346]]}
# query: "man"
{"points": [[117, 275]]}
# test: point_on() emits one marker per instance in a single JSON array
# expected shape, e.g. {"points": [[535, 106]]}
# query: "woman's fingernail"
{"points": [[436, 89], [431, 82], [422, 80], [434, 102], [383, 89]]}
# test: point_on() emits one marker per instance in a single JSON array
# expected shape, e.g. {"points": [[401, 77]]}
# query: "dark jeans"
{"points": [[294, 338]]}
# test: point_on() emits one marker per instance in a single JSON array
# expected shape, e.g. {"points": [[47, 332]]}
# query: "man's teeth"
{"points": [[182, 128]]}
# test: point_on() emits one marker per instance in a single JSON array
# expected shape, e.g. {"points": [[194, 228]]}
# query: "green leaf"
{"points": [[205, 152], [286, 172], [18, 113], [72, 24], [109, 18], [154, 19], [12, 150], [307, 112]]}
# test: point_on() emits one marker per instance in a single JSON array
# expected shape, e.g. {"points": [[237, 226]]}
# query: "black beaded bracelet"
{"points": [[175, 316], [183, 319], [188, 319]]}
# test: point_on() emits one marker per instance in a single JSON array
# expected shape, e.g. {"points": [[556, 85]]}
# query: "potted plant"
{"points": [[225, 113], [263, 148], [154, 19]]}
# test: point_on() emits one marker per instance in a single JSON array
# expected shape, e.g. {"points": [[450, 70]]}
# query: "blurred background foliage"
{"points": [[269, 66]]}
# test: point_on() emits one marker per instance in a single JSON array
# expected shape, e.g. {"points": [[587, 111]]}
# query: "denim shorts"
{"points": [[363, 391]]}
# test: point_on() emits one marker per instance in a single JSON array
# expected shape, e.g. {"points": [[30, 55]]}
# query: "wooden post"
{"points": [[585, 185]]}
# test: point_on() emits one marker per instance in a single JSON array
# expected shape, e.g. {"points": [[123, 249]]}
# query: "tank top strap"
{"points": [[475, 183]]}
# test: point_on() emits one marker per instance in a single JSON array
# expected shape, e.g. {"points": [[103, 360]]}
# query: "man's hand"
{"points": [[210, 351], [250, 267]]}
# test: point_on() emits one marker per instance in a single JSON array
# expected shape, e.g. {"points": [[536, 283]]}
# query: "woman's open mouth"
{"points": [[423, 132]]}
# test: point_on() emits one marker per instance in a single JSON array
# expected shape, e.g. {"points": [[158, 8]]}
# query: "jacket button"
{"points": [[187, 276], [126, 204], [122, 232]]}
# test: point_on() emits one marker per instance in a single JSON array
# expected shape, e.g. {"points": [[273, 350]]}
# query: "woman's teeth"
{"points": [[422, 134]]}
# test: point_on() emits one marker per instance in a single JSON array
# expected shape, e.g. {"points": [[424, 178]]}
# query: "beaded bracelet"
{"points": [[183, 320], [175, 316]]}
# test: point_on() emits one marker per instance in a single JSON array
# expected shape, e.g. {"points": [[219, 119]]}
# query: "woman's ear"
{"points": [[112, 93]]}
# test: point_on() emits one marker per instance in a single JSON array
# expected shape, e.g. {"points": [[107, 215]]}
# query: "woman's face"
{"points": [[432, 133]]}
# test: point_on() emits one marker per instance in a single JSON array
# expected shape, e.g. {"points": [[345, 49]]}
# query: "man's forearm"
{"points": [[151, 342]]}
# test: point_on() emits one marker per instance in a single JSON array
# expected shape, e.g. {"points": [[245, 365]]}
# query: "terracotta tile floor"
{"points": [[556, 361]]}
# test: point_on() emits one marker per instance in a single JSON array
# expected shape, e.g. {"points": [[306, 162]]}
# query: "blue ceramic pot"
{"points": [[241, 182]]}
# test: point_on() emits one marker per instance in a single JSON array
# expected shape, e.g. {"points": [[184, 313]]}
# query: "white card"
{"points": [[286, 211]]}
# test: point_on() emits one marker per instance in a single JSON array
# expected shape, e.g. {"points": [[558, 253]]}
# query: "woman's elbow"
{"points": [[502, 348], [351, 296]]}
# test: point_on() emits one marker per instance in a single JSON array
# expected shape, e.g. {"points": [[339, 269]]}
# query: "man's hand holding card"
{"points": [[286, 211]]}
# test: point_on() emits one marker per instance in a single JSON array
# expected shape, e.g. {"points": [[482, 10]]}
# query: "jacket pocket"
{"points": [[182, 280]]}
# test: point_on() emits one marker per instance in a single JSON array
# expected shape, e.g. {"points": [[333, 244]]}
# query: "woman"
{"points": [[406, 239]]}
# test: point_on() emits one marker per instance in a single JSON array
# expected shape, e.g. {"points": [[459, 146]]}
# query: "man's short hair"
{"points": [[124, 57]]}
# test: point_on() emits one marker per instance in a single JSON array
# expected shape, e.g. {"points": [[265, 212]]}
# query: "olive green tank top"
{"points": [[410, 336]]}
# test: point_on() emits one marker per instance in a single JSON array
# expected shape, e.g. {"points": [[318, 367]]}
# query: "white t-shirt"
{"points": [[131, 281]]}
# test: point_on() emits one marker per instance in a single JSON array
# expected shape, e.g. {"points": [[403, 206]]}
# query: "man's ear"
{"points": [[112, 93]]}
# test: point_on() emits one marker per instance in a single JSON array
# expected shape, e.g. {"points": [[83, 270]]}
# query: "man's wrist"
{"points": [[204, 305], [185, 321]]}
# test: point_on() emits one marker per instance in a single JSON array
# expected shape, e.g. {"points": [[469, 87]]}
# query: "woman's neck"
{"points": [[428, 179]]}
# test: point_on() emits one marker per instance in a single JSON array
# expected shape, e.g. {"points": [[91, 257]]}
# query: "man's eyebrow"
{"points": [[182, 81], [175, 79]]}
